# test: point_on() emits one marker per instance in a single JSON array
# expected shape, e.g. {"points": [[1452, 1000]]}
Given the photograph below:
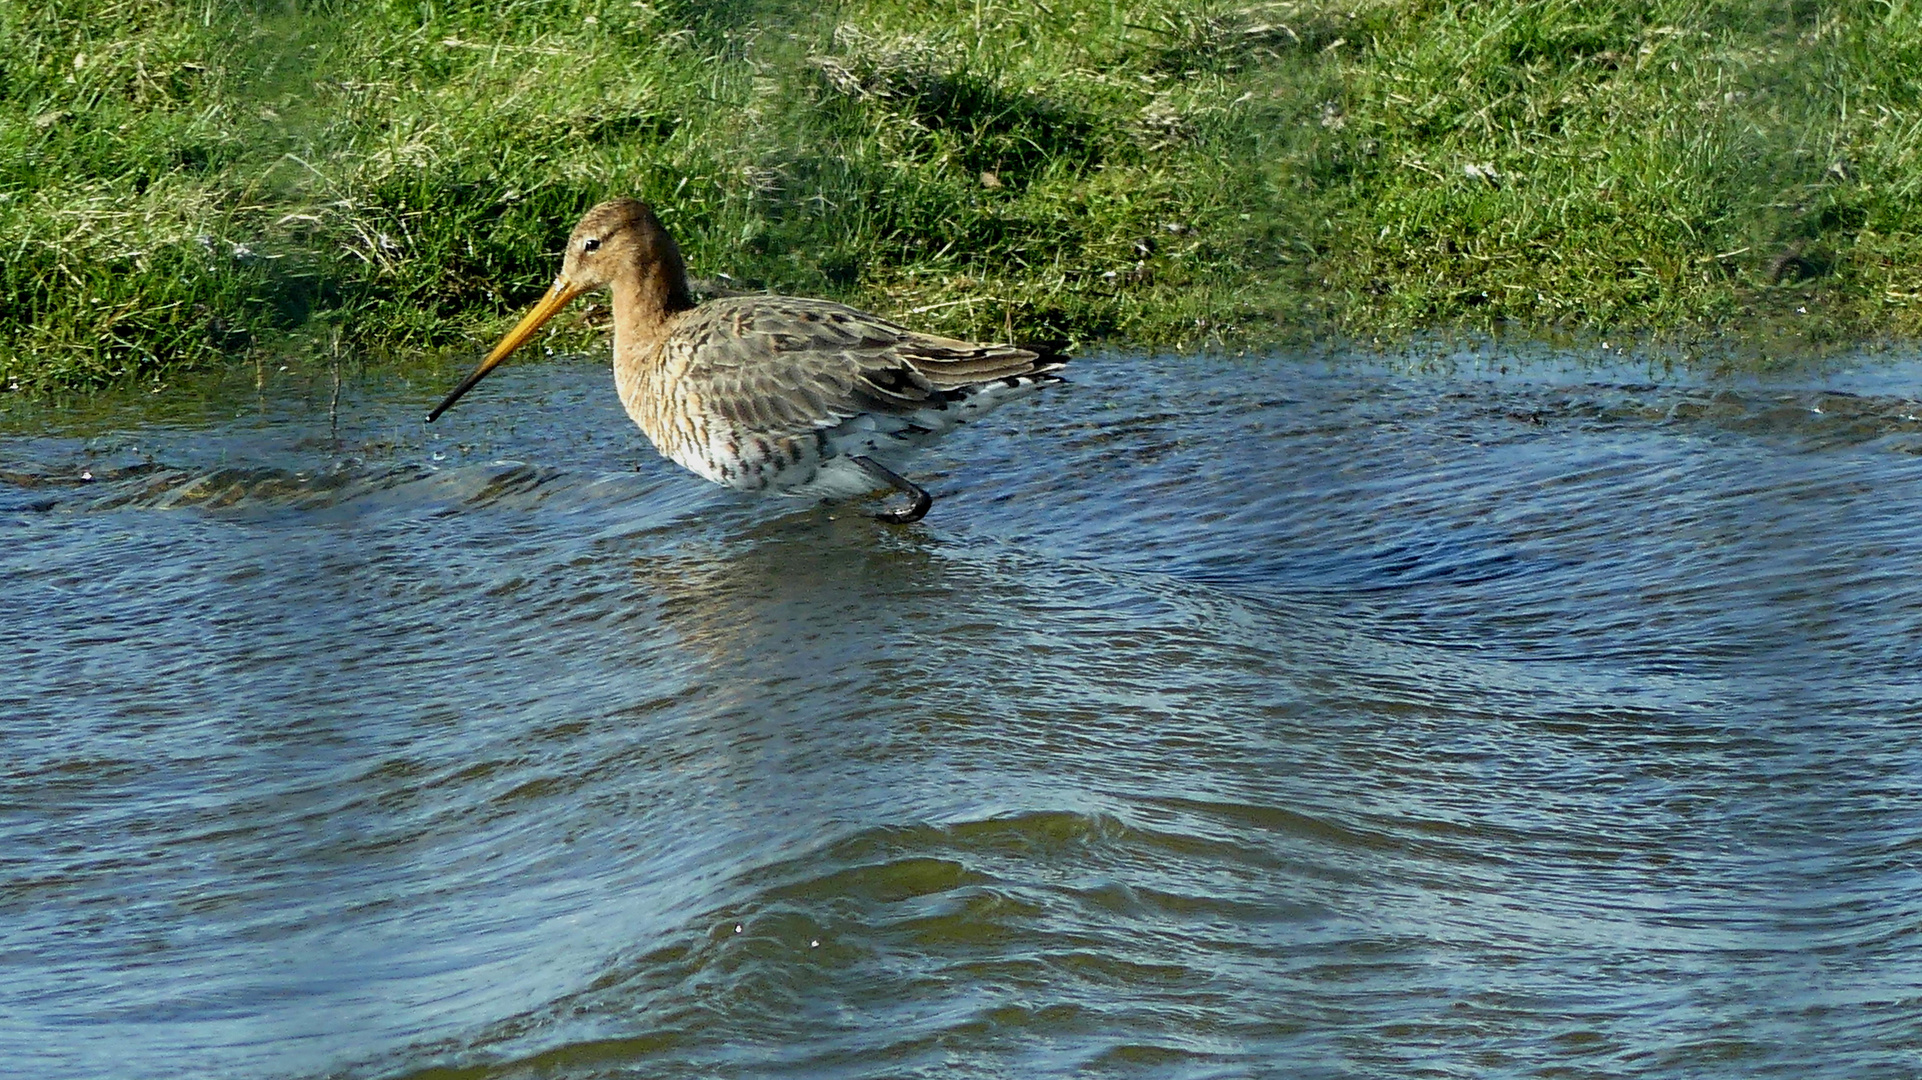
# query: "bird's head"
{"points": [[619, 240]]}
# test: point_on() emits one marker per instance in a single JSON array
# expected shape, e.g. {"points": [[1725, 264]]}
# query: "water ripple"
{"points": [[1227, 718]]}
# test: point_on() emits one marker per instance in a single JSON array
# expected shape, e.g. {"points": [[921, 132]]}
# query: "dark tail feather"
{"points": [[1047, 354]]}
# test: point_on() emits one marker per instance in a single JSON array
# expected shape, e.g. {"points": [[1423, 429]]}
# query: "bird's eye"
{"points": [[592, 243]]}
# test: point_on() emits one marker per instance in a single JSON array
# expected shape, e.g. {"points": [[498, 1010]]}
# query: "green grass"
{"points": [[183, 182]]}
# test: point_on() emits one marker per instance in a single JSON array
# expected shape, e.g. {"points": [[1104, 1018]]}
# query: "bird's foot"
{"points": [[904, 515]]}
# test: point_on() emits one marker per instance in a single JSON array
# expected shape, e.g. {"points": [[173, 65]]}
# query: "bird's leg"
{"points": [[906, 515]]}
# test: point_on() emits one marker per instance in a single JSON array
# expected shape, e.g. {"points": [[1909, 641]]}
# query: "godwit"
{"points": [[772, 394]]}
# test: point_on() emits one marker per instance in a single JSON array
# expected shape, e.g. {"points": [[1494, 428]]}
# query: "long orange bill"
{"points": [[557, 297]]}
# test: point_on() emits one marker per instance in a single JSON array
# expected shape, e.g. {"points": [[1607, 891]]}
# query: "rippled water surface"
{"points": [[1226, 718]]}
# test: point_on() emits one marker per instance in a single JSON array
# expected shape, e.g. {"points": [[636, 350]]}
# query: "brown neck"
{"points": [[645, 300], [642, 304]]}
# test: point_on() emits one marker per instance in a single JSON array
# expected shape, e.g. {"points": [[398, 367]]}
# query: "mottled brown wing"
{"points": [[786, 365]]}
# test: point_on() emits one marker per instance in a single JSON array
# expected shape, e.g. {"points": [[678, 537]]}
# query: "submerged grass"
{"points": [[182, 181]]}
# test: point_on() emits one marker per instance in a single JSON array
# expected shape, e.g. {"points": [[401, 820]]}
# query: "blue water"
{"points": [[1226, 717]]}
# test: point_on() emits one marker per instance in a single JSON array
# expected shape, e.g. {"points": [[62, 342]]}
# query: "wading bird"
{"points": [[772, 394]]}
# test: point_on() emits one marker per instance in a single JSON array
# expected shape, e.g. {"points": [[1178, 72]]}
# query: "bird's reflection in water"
{"points": [[817, 629], [786, 590]]}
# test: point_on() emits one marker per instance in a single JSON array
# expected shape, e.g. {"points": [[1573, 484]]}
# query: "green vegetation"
{"points": [[183, 181]]}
